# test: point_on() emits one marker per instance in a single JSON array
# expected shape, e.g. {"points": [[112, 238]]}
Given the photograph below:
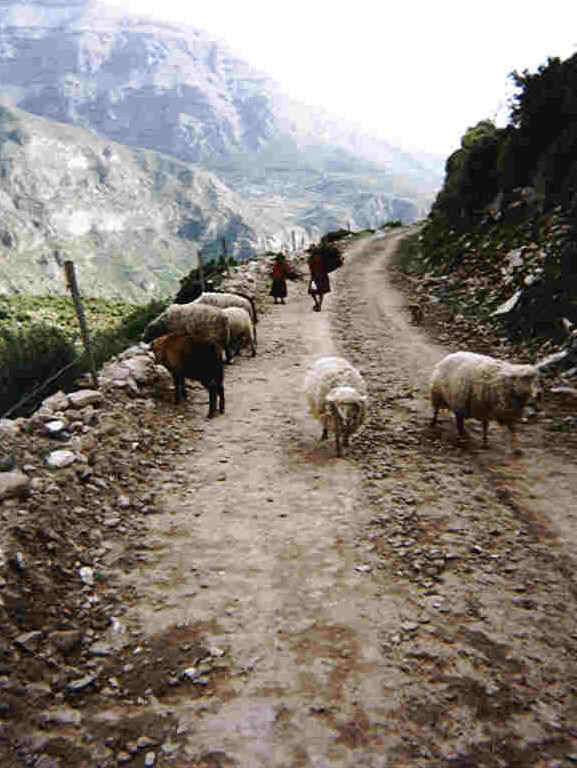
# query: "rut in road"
{"points": [[405, 604]]}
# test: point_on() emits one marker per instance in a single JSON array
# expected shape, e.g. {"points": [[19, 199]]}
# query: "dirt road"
{"points": [[409, 604]]}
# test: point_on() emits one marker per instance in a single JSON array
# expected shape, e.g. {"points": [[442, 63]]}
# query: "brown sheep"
{"points": [[189, 359]]}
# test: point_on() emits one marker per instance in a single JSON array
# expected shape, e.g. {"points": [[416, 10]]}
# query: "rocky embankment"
{"points": [[442, 633]]}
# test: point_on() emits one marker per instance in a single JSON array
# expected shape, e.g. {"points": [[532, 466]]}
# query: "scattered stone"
{"points": [[60, 459], [60, 716], [101, 649], [14, 484], [191, 673], [65, 640], [85, 397], [86, 575], [146, 741], [81, 683], [7, 462], [30, 641]]}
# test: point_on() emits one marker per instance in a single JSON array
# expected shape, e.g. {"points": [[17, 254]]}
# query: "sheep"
{"points": [[483, 388], [417, 314], [566, 359], [337, 397], [188, 359], [224, 300], [202, 323], [241, 330]]}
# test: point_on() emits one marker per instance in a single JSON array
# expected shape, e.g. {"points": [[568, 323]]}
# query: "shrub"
{"points": [[30, 358], [336, 234], [132, 326]]}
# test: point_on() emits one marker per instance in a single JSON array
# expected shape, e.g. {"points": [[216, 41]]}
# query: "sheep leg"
{"points": [[337, 434], [338, 442], [460, 418], [220, 390], [325, 433], [485, 429], [211, 402], [179, 387], [435, 414], [515, 446]]}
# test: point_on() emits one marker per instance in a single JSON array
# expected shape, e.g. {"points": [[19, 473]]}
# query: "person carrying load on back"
{"points": [[279, 274], [319, 283]]}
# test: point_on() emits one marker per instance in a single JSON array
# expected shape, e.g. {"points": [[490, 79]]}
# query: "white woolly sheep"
{"points": [[202, 323], [188, 359], [337, 397], [224, 300], [483, 388], [241, 330]]}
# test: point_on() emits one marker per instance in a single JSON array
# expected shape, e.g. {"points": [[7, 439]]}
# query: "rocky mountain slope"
{"points": [[175, 91], [130, 219]]}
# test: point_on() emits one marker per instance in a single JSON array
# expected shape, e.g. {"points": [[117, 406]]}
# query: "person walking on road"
{"points": [[319, 282], [279, 274]]}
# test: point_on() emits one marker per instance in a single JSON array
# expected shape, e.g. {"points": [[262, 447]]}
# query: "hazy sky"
{"points": [[416, 73]]}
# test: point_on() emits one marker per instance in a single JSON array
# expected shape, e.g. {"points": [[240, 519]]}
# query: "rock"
{"points": [[14, 484], [85, 397], [48, 761], [146, 741], [191, 673], [81, 683], [569, 392], [60, 459], [9, 427], [38, 690], [87, 575], [7, 462], [57, 402], [65, 640], [101, 649], [141, 367], [55, 428], [30, 641], [60, 716]]}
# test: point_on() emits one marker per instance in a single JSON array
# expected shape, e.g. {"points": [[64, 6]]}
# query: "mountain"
{"points": [[286, 173], [131, 219]]}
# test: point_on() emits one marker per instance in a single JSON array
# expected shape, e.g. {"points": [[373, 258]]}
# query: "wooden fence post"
{"points": [[201, 270], [73, 287]]}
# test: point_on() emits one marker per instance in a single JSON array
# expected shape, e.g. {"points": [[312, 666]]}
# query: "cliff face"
{"points": [[131, 219], [175, 91]]}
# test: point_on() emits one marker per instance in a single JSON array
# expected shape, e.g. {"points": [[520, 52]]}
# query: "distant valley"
{"points": [[130, 145]]}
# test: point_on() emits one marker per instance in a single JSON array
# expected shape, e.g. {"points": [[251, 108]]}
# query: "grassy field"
{"points": [[21, 311]]}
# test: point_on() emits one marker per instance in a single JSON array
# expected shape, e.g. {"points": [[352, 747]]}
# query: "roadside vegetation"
{"points": [[40, 347], [499, 246], [40, 343]]}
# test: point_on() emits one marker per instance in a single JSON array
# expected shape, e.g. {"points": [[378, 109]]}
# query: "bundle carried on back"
{"points": [[331, 256]]}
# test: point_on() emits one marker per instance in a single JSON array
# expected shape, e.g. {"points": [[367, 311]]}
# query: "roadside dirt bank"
{"points": [[409, 604]]}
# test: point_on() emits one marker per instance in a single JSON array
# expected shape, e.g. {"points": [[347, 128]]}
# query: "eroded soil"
{"points": [[409, 604]]}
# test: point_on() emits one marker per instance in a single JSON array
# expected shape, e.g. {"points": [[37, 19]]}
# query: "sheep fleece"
{"points": [[224, 300], [327, 374], [481, 387], [202, 323], [241, 326]]}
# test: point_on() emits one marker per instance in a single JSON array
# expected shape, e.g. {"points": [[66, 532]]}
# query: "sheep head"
{"points": [[567, 357], [156, 328], [348, 407]]}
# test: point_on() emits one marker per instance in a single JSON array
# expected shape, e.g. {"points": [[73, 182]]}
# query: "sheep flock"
{"points": [[190, 340]]}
